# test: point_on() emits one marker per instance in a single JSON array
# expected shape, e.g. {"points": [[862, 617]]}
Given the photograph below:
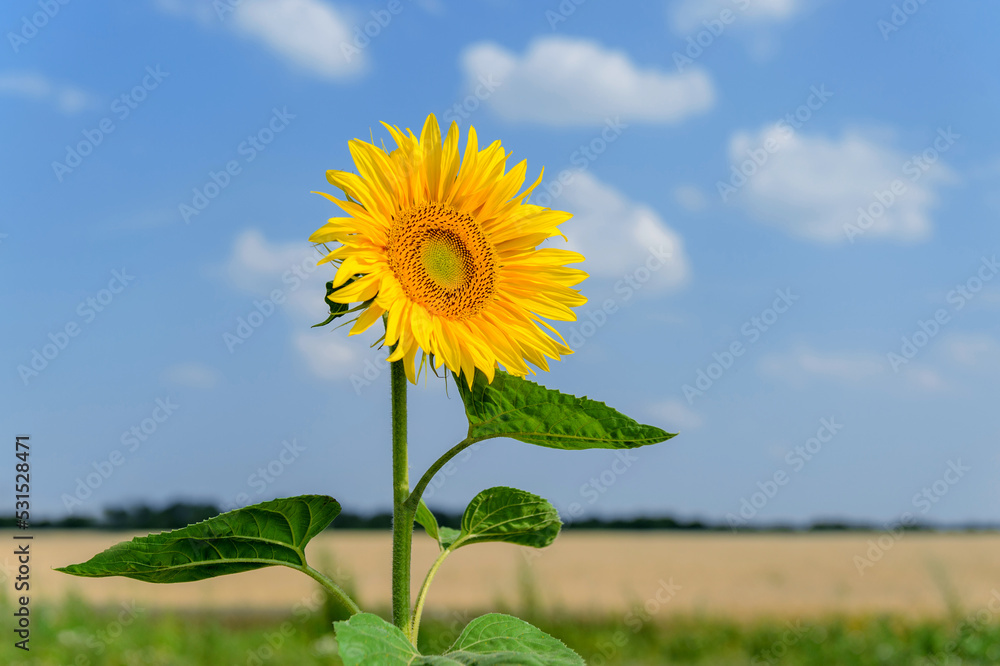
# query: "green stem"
{"points": [[422, 596], [418, 491], [402, 516], [332, 588]]}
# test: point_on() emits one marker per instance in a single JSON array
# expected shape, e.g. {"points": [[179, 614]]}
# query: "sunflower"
{"points": [[446, 250]]}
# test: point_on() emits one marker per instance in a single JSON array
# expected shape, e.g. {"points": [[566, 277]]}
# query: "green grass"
{"points": [[78, 635]]}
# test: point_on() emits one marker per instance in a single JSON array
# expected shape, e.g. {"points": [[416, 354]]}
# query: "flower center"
{"points": [[445, 258], [442, 260]]}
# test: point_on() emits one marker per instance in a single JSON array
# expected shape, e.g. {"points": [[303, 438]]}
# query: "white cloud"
{"points": [[308, 34], [974, 350], [676, 415], [800, 365], [257, 264], [618, 236], [193, 375], [261, 267], [690, 198], [330, 356], [812, 186], [563, 81], [67, 99], [687, 15]]}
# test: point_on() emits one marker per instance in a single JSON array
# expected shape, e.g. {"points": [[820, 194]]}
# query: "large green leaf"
{"points": [[519, 409], [502, 639], [509, 515], [490, 640], [368, 639], [262, 535]]}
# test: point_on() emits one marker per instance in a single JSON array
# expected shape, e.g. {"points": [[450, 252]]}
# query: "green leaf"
{"points": [[509, 515], [262, 535], [447, 536], [519, 409], [490, 640], [502, 639], [427, 520], [368, 639]]}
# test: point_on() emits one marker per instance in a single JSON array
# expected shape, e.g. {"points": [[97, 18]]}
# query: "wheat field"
{"points": [[740, 576]]}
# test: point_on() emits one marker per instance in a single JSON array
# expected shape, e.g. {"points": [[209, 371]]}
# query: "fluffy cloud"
{"points": [[329, 356], [690, 198], [562, 81], [675, 415], [192, 375], [687, 15], [812, 187], [65, 98], [618, 236], [308, 34], [261, 267], [802, 366], [797, 366], [974, 351]]}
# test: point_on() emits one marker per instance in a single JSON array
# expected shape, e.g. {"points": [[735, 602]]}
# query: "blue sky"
{"points": [[813, 183]]}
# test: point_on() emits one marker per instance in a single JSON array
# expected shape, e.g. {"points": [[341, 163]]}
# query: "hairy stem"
{"points": [[331, 587], [418, 490], [418, 609], [402, 516]]}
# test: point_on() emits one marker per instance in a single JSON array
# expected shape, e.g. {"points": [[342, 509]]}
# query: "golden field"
{"points": [[730, 575]]}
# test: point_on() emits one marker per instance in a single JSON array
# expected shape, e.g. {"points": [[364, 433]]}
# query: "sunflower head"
{"points": [[444, 248]]}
